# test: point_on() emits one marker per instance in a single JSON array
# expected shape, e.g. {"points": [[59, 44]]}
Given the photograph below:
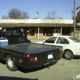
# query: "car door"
{"points": [[61, 41]]}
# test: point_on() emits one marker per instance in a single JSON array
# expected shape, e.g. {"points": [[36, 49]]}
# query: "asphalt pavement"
{"points": [[62, 70], [37, 39]]}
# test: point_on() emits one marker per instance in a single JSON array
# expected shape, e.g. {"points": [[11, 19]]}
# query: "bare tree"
{"points": [[14, 14], [51, 15], [17, 14], [25, 15], [4, 17]]}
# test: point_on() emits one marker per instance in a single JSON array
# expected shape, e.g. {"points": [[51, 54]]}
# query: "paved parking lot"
{"points": [[62, 70], [34, 40]]}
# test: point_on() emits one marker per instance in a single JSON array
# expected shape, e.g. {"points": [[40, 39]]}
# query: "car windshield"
{"points": [[75, 39]]}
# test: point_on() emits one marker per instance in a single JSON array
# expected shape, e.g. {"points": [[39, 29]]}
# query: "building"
{"points": [[41, 28]]}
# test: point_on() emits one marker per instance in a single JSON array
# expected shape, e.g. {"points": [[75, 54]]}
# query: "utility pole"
{"points": [[74, 17]]}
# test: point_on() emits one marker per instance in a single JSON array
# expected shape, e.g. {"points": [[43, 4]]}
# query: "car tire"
{"points": [[10, 63], [68, 54]]}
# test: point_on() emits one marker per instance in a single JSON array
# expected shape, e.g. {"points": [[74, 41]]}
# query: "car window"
{"points": [[51, 40], [10, 32], [62, 40], [17, 32], [74, 39]]}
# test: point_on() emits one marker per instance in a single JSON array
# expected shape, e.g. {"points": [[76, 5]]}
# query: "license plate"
{"points": [[50, 56]]}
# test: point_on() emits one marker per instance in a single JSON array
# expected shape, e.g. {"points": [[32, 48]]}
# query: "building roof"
{"points": [[36, 22]]}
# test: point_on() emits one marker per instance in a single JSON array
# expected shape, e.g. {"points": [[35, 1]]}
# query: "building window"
{"points": [[30, 31], [48, 31], [57, 31]]}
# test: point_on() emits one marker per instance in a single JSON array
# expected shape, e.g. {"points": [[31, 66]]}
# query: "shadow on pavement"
{"points": [[31, 70], [14, 78], [35, 69], [77, 57], [3, 62]]}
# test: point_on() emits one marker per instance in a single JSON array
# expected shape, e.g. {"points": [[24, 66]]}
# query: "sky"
{"points": [[63, 8]]}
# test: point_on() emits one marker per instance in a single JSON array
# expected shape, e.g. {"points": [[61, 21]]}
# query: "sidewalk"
{"points": [[36, 39]]}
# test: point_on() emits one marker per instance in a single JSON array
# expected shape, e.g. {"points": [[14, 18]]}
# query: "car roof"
{"points": [[62, 36]]}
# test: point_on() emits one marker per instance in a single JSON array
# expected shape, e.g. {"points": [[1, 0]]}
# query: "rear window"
{"points": [[75, 39], [11, 32]]}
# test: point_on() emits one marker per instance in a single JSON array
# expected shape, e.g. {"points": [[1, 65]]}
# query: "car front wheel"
{"points": [[68, 54]]}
